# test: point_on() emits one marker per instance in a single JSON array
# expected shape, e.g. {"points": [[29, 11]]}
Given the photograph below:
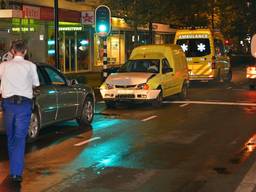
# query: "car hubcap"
{"points": [[33, 128], [89, 110]]}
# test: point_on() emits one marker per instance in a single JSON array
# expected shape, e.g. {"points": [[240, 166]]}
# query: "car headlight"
{"points": [[143, 86]]}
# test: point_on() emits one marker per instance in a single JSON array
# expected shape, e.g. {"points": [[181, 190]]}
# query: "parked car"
{"points": [[151, 73], [58, 99]]}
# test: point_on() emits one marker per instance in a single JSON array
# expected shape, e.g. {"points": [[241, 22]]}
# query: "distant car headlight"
{"points": [[143, 86]]}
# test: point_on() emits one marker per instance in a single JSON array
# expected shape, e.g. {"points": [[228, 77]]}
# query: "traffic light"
{"points": [[102, 20]]}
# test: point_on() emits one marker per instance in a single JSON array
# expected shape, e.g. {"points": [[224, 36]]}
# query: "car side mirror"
{"points": [[253, 46], [167, 70]]}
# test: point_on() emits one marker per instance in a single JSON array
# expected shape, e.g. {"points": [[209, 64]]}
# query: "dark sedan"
{"points": [[58, 99]]}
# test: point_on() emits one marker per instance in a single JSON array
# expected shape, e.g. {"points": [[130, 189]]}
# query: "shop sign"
{"points": [[87, 17], [31, 12], [23, 29], [71, 28]]}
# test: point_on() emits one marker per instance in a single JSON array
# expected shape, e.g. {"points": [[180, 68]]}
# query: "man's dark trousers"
{"points": [[17, 119]]}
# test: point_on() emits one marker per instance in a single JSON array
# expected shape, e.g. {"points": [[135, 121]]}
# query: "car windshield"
{"points": [[195, 47], [141, 65]]}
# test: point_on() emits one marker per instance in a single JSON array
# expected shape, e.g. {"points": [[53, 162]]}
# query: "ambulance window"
{"points": [[195, 47]]}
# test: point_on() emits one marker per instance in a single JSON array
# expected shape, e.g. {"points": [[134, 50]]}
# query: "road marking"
{"points": [[249, 182], [212, 103], [149, 118], [184, 105], [101, 102], [86, 141]]}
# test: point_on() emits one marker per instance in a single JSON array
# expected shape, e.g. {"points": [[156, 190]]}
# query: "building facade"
{"points": [[81, 49]]}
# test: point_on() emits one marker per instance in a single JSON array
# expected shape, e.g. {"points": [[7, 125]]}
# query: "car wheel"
{"points": [[87, 112], [110, 104], [159, 100], [184, 92], [34, 127]]}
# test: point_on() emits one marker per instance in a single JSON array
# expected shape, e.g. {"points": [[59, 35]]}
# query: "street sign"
{"points": [[102, 20], [87, 17]]}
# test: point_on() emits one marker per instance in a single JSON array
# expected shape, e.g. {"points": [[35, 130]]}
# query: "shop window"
{"points": [[115, 49]]}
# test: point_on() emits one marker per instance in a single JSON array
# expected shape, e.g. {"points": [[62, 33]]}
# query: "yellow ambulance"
{"points": [[206, 55]]}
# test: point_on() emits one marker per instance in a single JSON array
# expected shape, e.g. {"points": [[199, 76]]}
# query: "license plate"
{"points": [[125, 91]]}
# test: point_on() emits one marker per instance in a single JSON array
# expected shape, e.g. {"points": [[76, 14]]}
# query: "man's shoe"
{"points": [[16, 178]]}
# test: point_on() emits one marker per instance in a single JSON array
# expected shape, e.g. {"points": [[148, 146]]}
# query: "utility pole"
{"points": [[56, 30]]}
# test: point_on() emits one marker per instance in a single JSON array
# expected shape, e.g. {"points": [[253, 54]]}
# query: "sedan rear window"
{"points": [[141, 65], [195, 47]]}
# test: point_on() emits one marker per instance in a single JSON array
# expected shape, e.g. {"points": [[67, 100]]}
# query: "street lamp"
{"points": [[56, 30]]}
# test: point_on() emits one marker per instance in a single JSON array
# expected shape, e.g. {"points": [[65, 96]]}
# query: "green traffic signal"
{"points": [[102, 20]]}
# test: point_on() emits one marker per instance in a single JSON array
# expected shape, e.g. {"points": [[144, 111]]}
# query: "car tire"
{"points": [[110, 104], [184, 92], [34, 127], [87, 113], [159, 100]]}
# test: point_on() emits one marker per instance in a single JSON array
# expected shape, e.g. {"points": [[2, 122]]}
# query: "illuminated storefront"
{"points": [[115, 50], [75, 47]]}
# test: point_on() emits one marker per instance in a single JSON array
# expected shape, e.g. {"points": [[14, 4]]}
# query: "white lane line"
{"points": [[86, 141], [184, 105], [249, 181], [149, 118], [101, 102], [212, 103]]}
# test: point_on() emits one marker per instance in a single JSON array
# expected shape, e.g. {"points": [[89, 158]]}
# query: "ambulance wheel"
{"points": [[34, 127], [158, 101], [184, 92], [110, 104]]}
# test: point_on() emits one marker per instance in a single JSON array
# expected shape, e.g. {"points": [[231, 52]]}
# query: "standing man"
{"points": [[18, 77]]}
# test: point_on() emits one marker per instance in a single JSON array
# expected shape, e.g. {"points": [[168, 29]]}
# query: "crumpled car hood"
{"points": [[128, 78]]}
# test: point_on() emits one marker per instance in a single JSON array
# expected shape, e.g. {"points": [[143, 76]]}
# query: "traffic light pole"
{"points": [[105, 58]]}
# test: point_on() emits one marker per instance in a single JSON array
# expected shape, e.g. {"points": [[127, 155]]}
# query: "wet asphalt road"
{"points": [[179, 147]]}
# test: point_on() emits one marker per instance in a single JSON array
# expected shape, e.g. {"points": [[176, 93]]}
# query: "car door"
{"points": [[167, 77], [67, 98], [47, 99]]}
